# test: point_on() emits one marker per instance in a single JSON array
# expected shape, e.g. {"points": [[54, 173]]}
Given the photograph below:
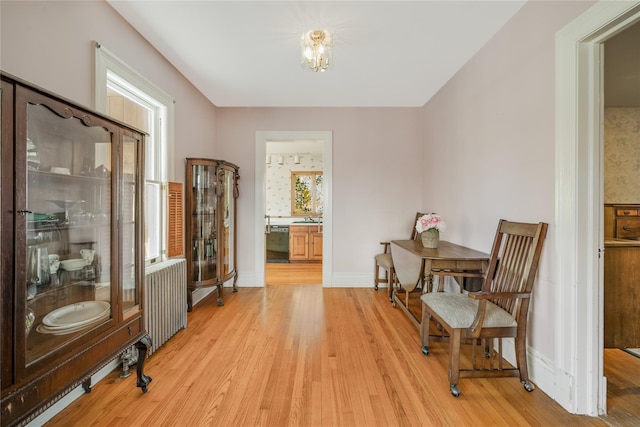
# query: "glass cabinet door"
{"points": [[128, 203], [204, 223], [67, 232]]}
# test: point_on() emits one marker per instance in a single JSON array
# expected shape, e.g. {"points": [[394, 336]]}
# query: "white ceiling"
{"points": [[386, 53]]}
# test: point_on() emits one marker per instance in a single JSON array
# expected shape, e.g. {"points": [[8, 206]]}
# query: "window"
{"points": [[306, 193], [124, 94]]}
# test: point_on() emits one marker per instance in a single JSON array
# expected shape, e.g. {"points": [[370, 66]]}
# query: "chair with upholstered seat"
{"points": [[384, 261], [499, 310]]}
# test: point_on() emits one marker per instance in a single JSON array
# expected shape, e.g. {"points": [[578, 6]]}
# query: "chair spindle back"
{"points": [[514, 262]]}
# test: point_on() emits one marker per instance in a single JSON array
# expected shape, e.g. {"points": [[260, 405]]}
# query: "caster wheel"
{"points": [[455, 391], [393, 304], [528, 386], [425, 350], [375, 288], [220, 302]]}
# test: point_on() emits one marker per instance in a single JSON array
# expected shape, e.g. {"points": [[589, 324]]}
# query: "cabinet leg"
{"points": [[220, 300], [143, 346], [189, 301]]}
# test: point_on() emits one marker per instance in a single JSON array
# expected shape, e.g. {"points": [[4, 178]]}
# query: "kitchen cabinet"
{"points": [[305, 243], [622, 221], [621, 293], [627, 222], [212, 190], [72, 259]]}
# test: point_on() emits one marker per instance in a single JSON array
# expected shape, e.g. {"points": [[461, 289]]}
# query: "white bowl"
{"points": [[73, 264]]}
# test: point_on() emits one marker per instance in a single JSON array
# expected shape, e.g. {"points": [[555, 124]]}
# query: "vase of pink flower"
{"points": [[429, 226]]}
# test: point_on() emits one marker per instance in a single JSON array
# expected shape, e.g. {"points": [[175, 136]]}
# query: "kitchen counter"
{"points": [[621, 243]]}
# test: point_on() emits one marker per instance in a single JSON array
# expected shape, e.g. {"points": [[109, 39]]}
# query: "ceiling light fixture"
{"points": [[317, 50]]}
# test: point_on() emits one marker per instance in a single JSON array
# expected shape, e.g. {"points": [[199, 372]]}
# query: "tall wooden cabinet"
{"points": [[71, 241], [212, 190]]}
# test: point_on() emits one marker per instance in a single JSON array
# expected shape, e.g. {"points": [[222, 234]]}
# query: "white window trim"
{"points": [[106, 61], [123, 76]]}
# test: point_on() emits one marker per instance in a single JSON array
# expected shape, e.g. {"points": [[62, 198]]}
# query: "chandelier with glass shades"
{"points": [[317, 50]]}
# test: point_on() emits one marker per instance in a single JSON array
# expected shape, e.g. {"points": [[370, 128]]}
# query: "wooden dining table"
{"points": [[416, 267]]}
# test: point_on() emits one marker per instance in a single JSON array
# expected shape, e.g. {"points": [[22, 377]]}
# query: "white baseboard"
{"points": [[350, 280], [200, 294], [338, 280], [248, 281]]}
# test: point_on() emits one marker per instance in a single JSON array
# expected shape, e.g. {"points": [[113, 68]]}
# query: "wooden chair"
{"points": [[385, 262], [499, 310]]}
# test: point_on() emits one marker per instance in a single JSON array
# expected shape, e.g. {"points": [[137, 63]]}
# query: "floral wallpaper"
{"points": [[622, 155], [278, 195]]}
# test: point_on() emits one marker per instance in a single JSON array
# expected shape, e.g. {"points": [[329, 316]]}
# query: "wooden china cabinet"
{"points": [[71, 248], [212, 190]]}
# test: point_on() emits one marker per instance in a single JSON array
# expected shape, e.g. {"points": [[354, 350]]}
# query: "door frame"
{"points": [[580, 385], [262, 137]]}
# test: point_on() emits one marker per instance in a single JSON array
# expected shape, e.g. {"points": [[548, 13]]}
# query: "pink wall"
{"points": [[50, 44], [481, 149], [376, 174], [376, 151], [490, 144]]}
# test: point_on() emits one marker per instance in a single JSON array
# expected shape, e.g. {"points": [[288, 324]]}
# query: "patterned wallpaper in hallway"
{"points": [[278, 177], [622, 155]]}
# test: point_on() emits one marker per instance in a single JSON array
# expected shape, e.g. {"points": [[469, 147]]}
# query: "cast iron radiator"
{"points": [[165, 297]]}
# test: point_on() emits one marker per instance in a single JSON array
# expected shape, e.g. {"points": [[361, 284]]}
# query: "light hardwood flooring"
{"points": [[293, 273], [303, 355]]}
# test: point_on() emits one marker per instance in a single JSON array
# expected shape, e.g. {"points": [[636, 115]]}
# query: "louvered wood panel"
{"points": [[175, 244]]}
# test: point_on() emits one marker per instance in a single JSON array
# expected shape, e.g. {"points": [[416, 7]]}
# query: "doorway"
{"points": [[621, 185], [294, 208], [294, 142], [579, 383]]}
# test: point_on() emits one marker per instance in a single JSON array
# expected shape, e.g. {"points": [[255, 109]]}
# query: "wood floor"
{"points": [[301, 355], [293, 273]]}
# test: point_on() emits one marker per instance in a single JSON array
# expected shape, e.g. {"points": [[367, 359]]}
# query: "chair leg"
{"points": [[521, 360], [454, 361], [424, 330], [391, 279], [376, 275]]}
